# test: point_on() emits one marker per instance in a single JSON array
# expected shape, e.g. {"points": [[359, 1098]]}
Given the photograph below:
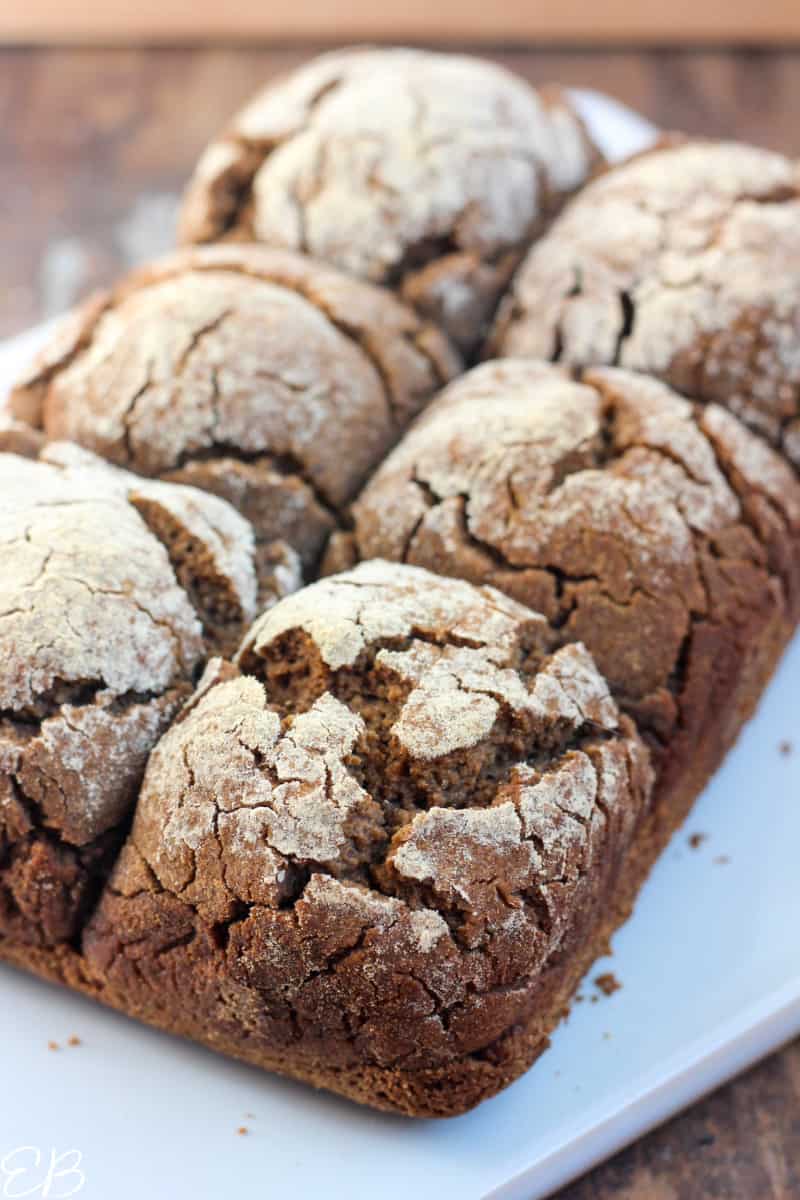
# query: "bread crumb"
{"points": [[785, 748], [722, 860], [607, 983], [73, 1040], [242, 1130], [696, 840], [606, 1037], [53, 1046]]}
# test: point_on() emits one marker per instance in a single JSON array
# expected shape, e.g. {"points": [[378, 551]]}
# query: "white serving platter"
{"points": [[710, 973]]}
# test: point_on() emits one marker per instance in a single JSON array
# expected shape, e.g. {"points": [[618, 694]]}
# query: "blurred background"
{"points": [[74, 20], [104, 108]]}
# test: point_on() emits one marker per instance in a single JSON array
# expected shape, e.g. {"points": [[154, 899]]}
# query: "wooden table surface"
{"points": [[94, 148]]}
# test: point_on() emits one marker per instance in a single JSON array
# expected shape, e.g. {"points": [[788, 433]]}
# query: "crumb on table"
{"points": [[697, 839], [722, 860], [607, 983], [73, 1040], [53, 1046], [785, 747], [242, 1130]]}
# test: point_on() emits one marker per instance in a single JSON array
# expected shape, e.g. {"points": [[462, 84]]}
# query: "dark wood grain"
{"points": [[741, 1143], [94, 149]]}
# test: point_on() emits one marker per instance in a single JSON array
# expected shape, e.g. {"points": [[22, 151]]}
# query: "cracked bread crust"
{"points": [[113, 589], [682, 263], [661, 534], [357, 853], [426, 172], [254, 374]]}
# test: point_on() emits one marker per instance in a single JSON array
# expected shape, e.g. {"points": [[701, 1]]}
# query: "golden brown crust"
{"points": [[426, 172]]}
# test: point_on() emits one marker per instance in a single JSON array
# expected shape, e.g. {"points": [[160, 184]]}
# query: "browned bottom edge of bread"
{"points": [[443, 1091], [456, 1087]]}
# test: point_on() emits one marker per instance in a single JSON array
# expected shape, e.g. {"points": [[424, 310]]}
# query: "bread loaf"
{"points": [[373, 838]]}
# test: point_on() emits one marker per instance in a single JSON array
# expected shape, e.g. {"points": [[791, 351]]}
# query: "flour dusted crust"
{"points": [[373, 834], [661, 535], [255, 374], [103, 620], [376, 842], [683, 263], [427, 172]]}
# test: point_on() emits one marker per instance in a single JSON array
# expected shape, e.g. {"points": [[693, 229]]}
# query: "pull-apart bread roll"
{"points": [[378, 852], [270, 380], [430, 173], [683, 263], [665, 536], [113, 590]]}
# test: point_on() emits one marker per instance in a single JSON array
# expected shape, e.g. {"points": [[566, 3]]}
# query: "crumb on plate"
{"points": [[607, 983]]}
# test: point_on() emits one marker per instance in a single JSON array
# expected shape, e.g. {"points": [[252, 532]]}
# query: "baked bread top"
{"points": [[380, 823], [683, 263], [273, 381], [634, 521], [377, 847], [113, 590], [423, 171]]}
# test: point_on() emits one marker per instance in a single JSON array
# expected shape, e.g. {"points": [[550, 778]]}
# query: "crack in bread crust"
{"points": [[663, 536], [255, 374], [376, 849], [409, 820], [104, 617], [426, 172], [682, 263]]}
